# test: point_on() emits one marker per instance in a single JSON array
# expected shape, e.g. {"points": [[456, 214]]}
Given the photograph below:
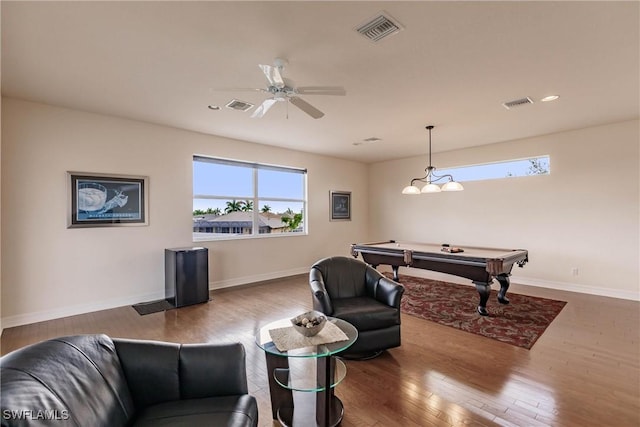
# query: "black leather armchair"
{"points": [[92, 380], [351, 290]]}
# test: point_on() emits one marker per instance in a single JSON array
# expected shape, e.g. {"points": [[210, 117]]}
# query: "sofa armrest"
{"points": [[79, 377], [389, 292], [319, 295]]}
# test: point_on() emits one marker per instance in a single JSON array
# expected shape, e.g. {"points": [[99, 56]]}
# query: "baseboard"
{"points": [[41, 316], [574, 287], [258, 278], [530, 281]]}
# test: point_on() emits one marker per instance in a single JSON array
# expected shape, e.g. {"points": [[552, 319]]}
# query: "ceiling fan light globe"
{"points": [[452, 186], [280, 63], [410, 189]]}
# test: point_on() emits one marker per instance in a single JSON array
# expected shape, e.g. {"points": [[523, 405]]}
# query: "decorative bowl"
{"points": [[309, 323]]}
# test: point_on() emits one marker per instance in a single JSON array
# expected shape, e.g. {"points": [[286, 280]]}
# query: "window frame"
{"points": [[255, 199], [456, 171]]}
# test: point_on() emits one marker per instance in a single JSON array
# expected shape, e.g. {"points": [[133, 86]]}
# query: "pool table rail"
{"points": [[481, 265], [468, 264]]}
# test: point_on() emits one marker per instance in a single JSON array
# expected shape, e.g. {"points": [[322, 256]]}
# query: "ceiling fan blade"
{"points": [[321, 90], [263, 108], [306, 107], [237, 89], [273, 75]]}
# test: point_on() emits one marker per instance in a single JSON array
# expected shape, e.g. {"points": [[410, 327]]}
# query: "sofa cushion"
{"points": [[226, 372], [159, 372], [228, 411], [151, 369], [75, 381]]}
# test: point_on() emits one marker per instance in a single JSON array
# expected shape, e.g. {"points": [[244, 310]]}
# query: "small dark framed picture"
{"points": [[340, 205], [106, 200]]}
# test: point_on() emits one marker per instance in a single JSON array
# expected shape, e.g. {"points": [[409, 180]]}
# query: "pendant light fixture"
{"points": [[430, 179]]}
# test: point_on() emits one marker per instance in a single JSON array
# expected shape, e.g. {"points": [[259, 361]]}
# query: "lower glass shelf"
{"points": [[302, 375], [305, 411]]}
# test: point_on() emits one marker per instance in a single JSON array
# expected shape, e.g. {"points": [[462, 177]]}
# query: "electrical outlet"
{"points": [[574, 271]]}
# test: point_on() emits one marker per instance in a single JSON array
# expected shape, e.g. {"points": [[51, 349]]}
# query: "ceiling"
{"points": [[452, 65]]}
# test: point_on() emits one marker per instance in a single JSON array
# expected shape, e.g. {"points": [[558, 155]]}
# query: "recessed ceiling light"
{"points": [[550, 98], [213, 107]]}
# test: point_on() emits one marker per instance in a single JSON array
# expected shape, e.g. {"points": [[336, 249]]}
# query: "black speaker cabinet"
{"points": [[186, 276]]}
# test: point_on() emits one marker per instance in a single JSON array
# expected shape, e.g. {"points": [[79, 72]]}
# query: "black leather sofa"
{"points": [[92, 380], [351, 290]]}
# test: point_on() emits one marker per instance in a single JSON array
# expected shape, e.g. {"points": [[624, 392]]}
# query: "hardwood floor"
{"points": [[583, 371]]}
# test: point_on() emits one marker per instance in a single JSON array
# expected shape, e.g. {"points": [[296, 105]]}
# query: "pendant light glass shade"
{"points": [[452, 186], [410, 189], [431, 188]]}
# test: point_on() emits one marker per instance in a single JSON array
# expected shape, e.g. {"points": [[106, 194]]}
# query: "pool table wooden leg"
{"points": [[484, 290], [396, 277], [504, 286]]}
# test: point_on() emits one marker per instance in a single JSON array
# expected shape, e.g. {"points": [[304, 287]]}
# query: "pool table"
{"points": [[480, 265]]}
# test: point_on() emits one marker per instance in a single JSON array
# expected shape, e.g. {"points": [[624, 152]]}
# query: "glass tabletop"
{"points": [[264, 341]]}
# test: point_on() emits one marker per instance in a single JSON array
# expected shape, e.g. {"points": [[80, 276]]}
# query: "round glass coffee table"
{"points": [[294, 370]]}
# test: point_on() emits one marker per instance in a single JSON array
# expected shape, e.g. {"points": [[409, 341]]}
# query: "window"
{"points": [[507, 169], [234, 199]]}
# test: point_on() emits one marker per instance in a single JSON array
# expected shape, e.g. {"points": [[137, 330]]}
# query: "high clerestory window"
{"points": [[507, 169], [237, 199]]}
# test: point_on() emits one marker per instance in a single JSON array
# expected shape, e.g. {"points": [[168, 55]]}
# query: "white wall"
{"points": [[584, 215], [51, 271], [1, 327], [574, 218]]}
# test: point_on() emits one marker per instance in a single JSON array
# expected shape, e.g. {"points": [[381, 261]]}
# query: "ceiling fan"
{"points": [[283, 90]]}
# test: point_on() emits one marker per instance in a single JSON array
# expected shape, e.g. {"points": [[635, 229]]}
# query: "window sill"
{"points": [[219, 238]]}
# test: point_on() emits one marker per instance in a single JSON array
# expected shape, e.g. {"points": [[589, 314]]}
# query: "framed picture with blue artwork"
{"points": [[107, 200]]}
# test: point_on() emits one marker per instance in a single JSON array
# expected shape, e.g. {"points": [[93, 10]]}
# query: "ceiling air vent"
{"points": [[370, 140], [517, 103], [236, 104], [379, 27]]}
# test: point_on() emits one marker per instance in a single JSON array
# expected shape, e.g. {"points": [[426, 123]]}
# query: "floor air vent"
{"points": [[517, 103], [236, 104], [379, 27]]}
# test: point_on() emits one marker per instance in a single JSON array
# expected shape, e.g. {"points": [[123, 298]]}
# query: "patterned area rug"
{"points": [[519, 323]]}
